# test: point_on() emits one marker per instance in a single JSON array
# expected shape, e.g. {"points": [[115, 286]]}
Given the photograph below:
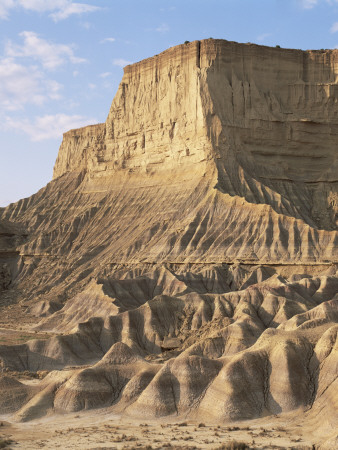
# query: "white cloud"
{"points": [[105, 74], [21, 85], [58, 9], [73, 8], [48, 126], [163, 28], [309, 4], [121, 62], [50, 55], [108, 39], [334, 28], [5, 6], [42, 5]]}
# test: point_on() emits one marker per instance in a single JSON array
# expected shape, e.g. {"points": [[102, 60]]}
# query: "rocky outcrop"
{"points": [[185, 251]]}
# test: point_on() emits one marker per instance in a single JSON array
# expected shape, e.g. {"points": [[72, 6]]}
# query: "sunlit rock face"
{"points": [[186, 248]]}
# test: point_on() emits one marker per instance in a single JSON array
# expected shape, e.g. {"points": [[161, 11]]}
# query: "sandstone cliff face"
{"points": [[155, 123], [78, 148], [203, 211], [266, 117]]}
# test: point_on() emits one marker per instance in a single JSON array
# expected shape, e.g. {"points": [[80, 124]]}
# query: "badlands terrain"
{"points": [[176, 282]]}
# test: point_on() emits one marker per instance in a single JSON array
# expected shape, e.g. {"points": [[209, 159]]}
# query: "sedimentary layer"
{"points": [[185, 251]]}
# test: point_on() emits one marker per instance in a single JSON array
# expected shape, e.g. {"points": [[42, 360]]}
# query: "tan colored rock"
{"points": [[191, 241]]}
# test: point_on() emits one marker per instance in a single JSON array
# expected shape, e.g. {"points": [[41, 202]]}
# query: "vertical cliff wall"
{"points": [[278, 115], [155, 125]]}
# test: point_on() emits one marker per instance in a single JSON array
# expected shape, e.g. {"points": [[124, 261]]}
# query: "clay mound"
{"points": [[243, 315], [264, 350], [13, 394], [44, 308], [119, 353], [112, 296], [102, 384], [323, 314], [177, 387]]}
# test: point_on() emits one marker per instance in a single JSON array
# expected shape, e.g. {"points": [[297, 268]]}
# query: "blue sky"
{"points": [[61, 61]]}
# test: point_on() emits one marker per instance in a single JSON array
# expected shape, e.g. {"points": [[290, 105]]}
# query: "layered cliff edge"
{"points": [[265, 117], [232, 134], [192, 238]]}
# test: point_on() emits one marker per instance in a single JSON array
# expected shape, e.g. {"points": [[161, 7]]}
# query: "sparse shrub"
{"points": [[183, 424], [201, 425], [186, 42], [277, 46], [4, 443], [233, 445]]}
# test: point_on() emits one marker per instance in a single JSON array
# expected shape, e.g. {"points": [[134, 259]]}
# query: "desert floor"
{"points": [[101, 429]]}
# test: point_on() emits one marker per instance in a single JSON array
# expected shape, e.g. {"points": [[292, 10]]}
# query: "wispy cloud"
{"points": [[57, 9], [48, 126], [42, 5], [5, 7], [105, 74], [334, 28], [71, 9], [108, 39], [86, 25], [49, 54], [263, 36], [163, 28], [21, 85], [121, 62], [309, 4], [23, 71]]}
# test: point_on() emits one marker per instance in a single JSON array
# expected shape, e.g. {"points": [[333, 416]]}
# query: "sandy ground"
{"points": [[101, 429]]}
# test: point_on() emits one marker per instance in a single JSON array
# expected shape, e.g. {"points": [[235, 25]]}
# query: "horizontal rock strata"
{"points": [[185, 253]]}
